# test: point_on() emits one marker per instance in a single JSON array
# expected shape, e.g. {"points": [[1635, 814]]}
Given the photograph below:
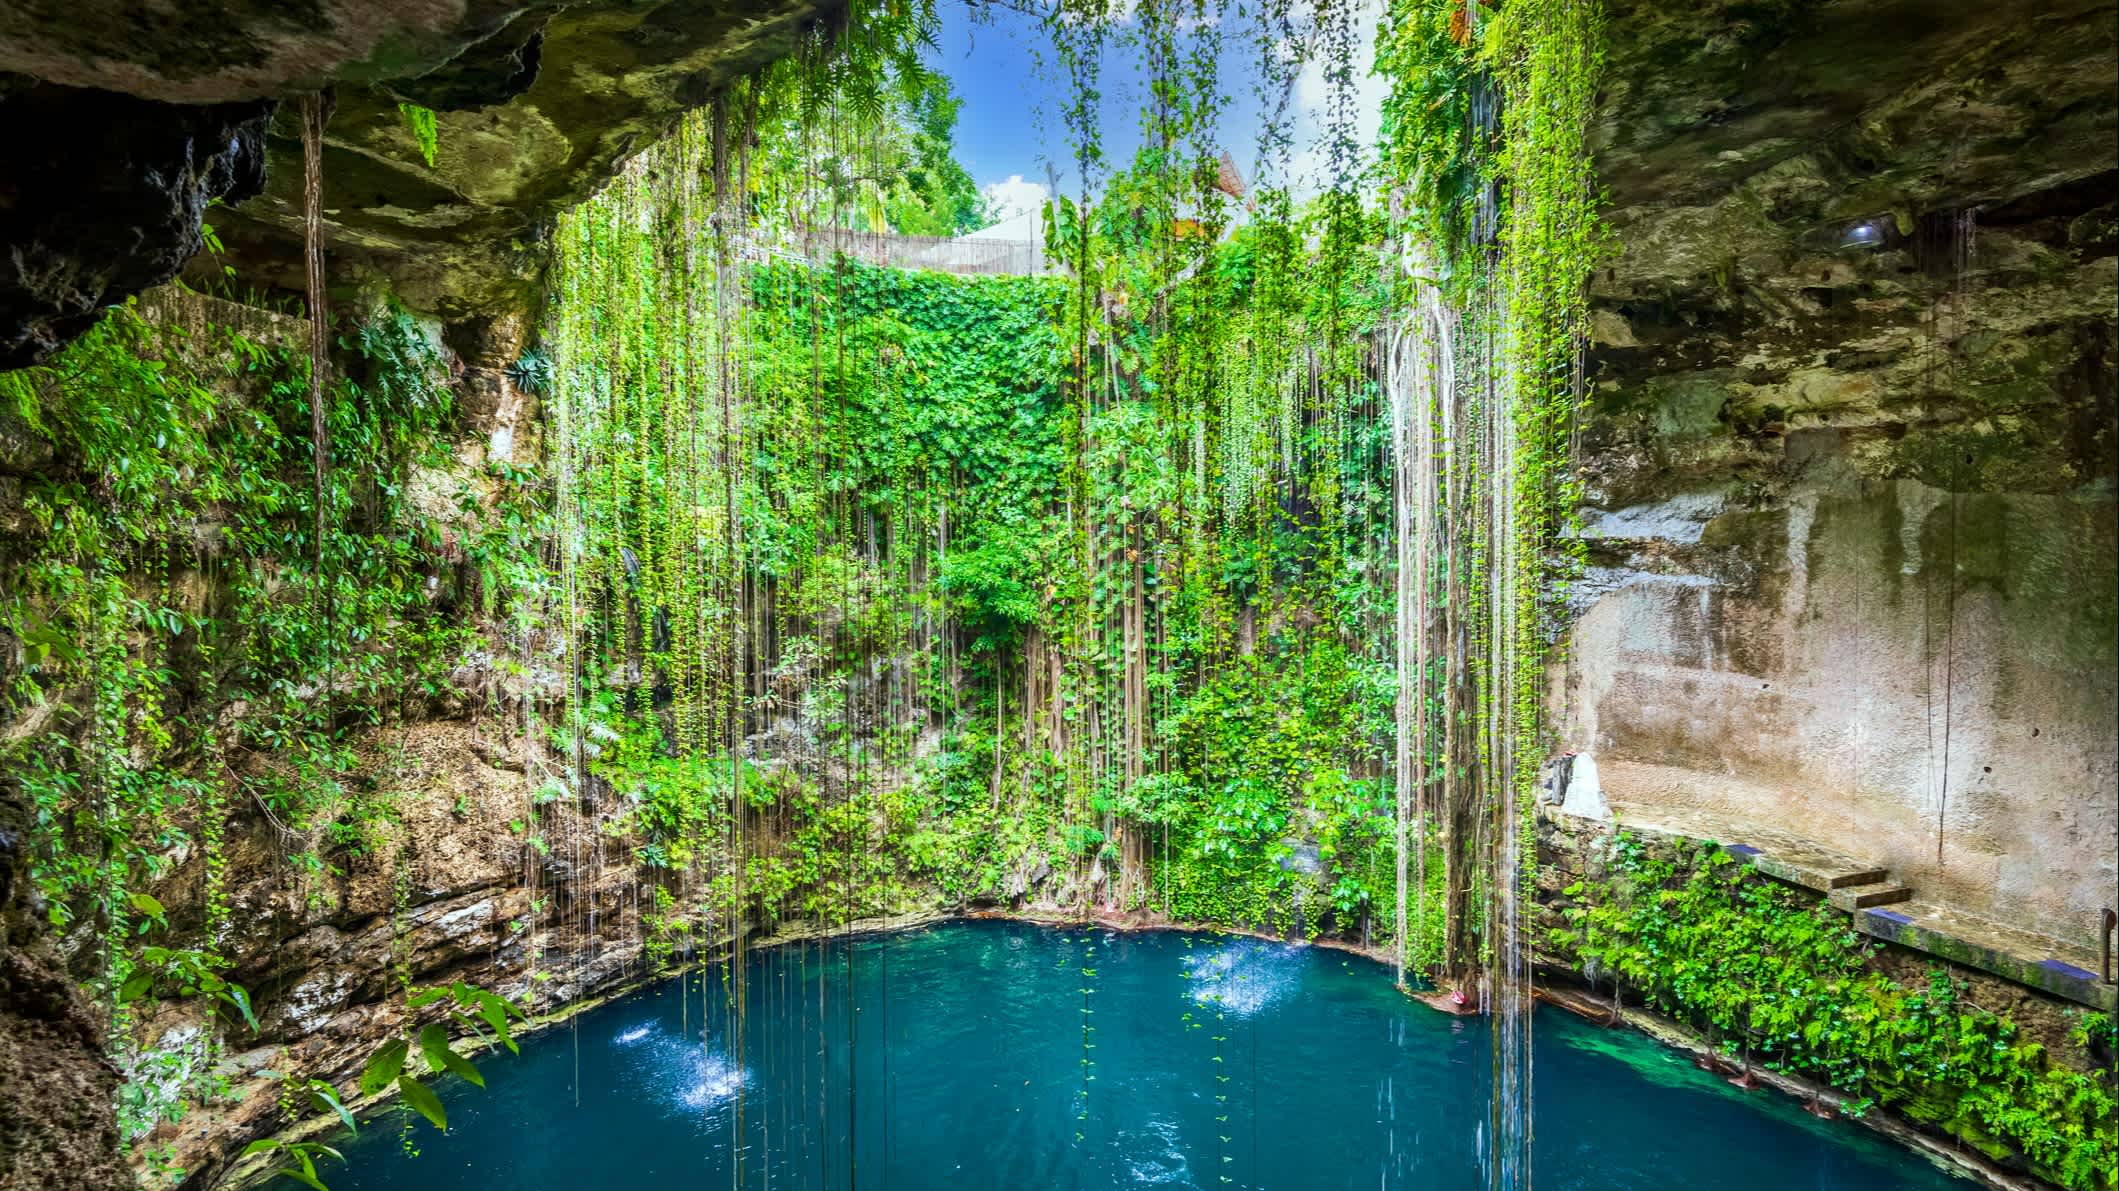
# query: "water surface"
{"points": [[996, 1054]]}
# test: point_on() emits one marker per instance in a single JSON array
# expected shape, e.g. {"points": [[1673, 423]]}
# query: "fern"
{"points": [[420, 121]]}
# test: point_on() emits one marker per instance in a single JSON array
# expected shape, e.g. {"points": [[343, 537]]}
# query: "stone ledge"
{"points": [[1973, 943], [1812, 868]]}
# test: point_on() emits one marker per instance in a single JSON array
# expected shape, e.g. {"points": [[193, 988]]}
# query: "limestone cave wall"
{"points": [[130, 122], [1849, 456], [1849, 448], [131, 119]]}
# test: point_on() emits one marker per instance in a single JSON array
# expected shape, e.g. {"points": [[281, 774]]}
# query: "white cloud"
{"points": [[1313, 103], [1015, 197]]}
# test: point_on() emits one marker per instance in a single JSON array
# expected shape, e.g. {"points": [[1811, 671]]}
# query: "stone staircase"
{"points": [[1846, 882]]}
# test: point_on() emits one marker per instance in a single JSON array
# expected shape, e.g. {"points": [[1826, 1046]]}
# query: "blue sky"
{"points": [[1014, 91]]}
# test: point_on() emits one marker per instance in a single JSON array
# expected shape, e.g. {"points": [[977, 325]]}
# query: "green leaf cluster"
{"points": [[1780, 977]]}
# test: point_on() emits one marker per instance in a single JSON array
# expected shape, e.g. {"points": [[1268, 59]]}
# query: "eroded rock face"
{"points": [[56, 1128], [536, 105], [1851, 449], [446, 891], [215, 51], [463, 237], [101, 196], [317, 921]]}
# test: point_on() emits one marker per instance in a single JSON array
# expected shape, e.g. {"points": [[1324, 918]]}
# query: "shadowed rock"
{"points": [[537, 104], [101, 196]]}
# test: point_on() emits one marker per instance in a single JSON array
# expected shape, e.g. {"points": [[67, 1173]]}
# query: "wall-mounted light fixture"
{"points": [[1869, 233]]}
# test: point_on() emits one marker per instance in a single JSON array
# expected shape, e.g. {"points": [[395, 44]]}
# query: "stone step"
{"points": [[1812, 867], [1861, 897]]}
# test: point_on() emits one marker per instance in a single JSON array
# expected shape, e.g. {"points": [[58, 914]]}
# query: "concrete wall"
{"points": [[1921, 679], [1850, 451]]}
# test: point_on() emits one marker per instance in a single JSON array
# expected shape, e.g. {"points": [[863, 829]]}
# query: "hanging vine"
{"points": [[868, 588]]}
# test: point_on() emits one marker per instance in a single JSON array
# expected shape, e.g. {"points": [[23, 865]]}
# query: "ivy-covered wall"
{"points": [[219, 750], [1773, 977]]}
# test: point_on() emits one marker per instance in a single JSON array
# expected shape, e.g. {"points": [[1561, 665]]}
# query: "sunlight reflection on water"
{"points": [[1241, 976], [686, 1076], [1155, 1154]]}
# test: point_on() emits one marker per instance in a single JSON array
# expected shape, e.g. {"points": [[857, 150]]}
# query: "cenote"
{"points": [[1210, 1061], [1559, 503]]}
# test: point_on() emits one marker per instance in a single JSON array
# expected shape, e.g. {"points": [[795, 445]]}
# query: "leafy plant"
{"points": [[419, 121], [1779, 975]]}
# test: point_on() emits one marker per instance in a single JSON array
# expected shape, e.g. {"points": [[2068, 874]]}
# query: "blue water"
{"points": [[1208, 1062]]}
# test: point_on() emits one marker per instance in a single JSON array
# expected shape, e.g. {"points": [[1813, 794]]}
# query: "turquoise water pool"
{"points": [[1207, 1062]]}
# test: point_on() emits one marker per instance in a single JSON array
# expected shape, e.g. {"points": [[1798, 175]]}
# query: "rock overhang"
{"points": [[535, 106]]}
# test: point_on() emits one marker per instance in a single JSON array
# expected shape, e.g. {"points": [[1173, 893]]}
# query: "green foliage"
{"points": [[182, 519], [405, 1066], [419, 122], [1089, 516], [1267, 752], [996, 588], [182, 649], [1433, 145], [160, 971], [888, 162], [1779, 975], [934, 196], [301, 1156]]}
